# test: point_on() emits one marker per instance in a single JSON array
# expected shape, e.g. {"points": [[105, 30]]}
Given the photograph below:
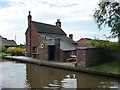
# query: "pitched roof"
{"points": [[6, 42], [47, 28], [9, 43], [66, 44], [83, 41]]}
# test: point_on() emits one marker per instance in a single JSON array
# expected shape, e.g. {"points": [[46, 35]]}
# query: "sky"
{"points": [[76, 17]]}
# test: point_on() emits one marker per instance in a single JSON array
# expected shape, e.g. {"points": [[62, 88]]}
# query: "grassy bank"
{"points": [[109, 67], [4, 54]]}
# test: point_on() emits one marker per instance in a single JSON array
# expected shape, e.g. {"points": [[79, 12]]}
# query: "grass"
{"points": [[109, 67], [4, 54]]}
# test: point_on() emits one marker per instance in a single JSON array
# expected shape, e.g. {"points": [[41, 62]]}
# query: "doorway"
{"points": [[51, 52]]}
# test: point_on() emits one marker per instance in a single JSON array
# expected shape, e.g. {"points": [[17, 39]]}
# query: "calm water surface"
{"points": [[21, 75]]}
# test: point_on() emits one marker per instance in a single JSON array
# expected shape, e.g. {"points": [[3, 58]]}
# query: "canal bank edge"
{"points": [[60, 66]]}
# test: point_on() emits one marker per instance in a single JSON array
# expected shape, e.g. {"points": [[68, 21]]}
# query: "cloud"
{"points": [[62, 8], [109, 1], [13, 15]]}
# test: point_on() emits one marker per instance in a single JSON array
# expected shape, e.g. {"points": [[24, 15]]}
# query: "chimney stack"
{"points": [[71, 36], [58, 23], [29, 28], [29, 18]]}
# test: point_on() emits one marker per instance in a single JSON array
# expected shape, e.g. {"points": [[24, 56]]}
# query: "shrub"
{"points": [[113, 46], [17, 51]]}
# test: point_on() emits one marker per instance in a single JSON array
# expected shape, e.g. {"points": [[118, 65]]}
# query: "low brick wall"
{"points": [[92, 56], [115, 54], [87, 57]]}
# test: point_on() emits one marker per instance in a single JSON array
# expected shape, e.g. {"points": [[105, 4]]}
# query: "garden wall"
{"points": [[92, 56]]}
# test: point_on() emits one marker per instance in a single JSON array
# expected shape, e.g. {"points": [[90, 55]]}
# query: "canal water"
{"points": [[24, 75]]}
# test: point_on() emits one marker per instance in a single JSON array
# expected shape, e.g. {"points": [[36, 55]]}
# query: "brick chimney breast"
{"points": [[58, 23], [29, 17], [29, 28]]}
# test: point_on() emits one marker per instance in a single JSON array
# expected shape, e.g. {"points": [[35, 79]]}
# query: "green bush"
{"points": [[113, 46], [16, 51]]}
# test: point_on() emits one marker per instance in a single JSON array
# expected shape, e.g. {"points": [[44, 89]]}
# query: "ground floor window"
{"points": [[34, 49]]}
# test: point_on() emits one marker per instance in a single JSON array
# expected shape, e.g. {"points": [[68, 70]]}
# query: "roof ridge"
{"points": [[44, 23], [47, 28]]}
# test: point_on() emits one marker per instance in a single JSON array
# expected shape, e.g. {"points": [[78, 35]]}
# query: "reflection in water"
{"points": [[109, 85], [69, 82], [19, 75], [13, 75], [40, 77]]}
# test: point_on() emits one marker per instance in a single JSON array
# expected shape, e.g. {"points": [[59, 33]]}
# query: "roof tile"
{"points": [[47, 28]]}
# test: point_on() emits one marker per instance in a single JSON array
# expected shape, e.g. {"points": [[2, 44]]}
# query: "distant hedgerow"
{"points": [[17, 51]]}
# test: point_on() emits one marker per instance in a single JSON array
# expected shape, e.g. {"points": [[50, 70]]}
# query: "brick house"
{"points": [[48, 42], [83, 42], [7, 43]]}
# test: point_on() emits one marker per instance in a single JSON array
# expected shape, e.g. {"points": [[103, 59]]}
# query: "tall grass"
{"points": [[4, 54], [109, 67]]}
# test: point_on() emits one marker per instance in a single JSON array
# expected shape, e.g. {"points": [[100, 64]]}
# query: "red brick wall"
{"points": [[93, 56], [64, 55], [81, 58], [88, 57], [28, 42], [36, 40], [43, 52], [61, 54]]}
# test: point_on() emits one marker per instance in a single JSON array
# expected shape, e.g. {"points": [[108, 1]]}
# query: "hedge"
{"points": [[16, 51]]}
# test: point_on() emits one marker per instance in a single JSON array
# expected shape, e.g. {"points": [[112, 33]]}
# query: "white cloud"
{"points": [[13, 19], [76, 8], [110, 0]]}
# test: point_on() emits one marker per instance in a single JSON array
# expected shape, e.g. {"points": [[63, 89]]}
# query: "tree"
{"points": [[108, 14]]}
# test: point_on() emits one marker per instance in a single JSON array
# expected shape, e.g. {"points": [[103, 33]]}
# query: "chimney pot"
{"points": [[58, 23], [29, 17], [71, 36], [29, 12]]}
